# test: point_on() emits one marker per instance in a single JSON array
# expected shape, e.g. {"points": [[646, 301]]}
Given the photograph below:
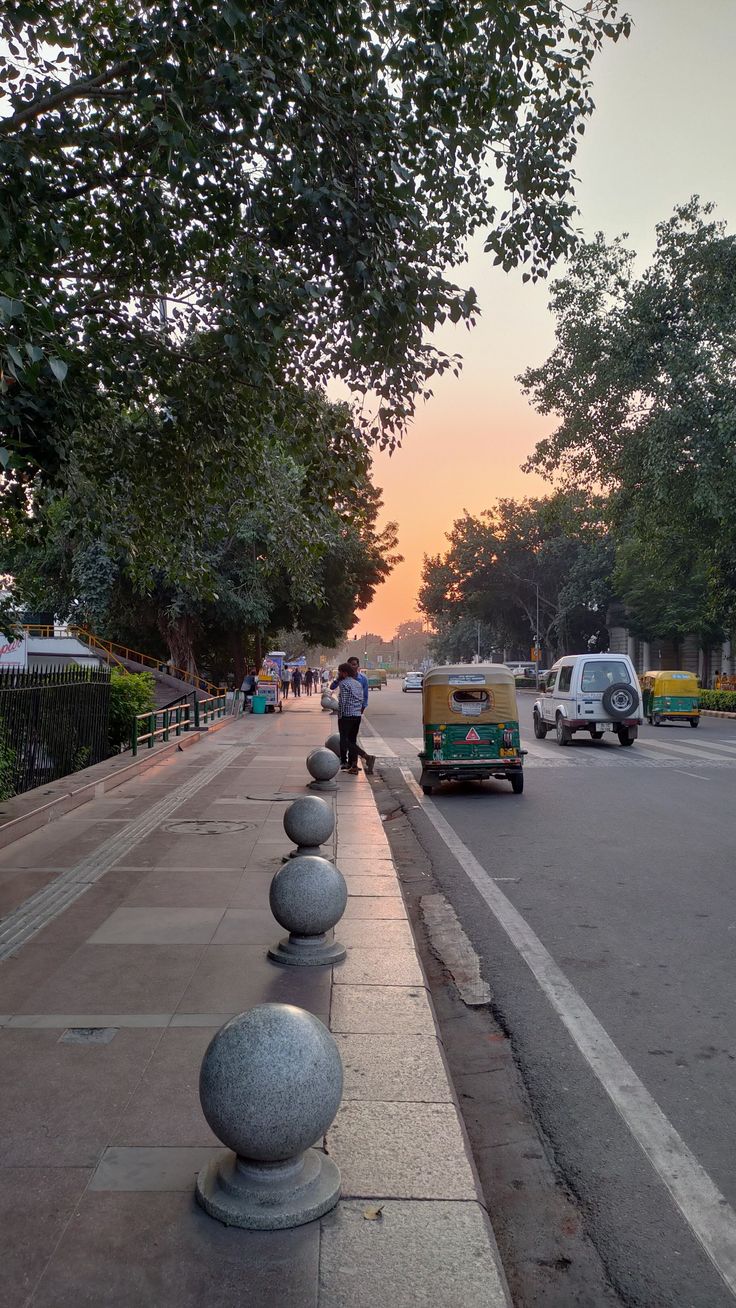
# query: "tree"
{"points": [[287, 538], [291, 179], [523, 558], [643, 380]]}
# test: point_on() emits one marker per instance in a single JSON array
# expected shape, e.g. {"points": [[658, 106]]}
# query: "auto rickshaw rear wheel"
{"points": [[427, 790], [656, 720], [695, 722], [517, 783]]}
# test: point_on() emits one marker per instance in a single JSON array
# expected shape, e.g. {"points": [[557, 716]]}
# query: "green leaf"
{"points": [[58, 368]]}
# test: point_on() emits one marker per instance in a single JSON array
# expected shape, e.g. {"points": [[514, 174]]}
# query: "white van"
{"points": [[593, 693]]}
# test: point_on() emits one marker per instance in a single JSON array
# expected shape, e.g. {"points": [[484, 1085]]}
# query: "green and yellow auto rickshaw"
{"points": [[673, 696], [471, 726]]}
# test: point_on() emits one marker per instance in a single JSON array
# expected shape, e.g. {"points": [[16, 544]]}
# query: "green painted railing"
{"points": [[161, 724]]}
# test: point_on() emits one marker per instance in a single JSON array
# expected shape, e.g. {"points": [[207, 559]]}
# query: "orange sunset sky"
{"points": [[663, 130]]}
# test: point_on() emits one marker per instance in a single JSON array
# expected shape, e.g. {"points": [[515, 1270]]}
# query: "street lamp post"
{"points": [[536, 641]]}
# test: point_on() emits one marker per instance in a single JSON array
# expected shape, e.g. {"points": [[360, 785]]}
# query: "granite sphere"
{"points": [[322, 764], [271, 1082], [333, 743], [308, 895], [309, 821]]}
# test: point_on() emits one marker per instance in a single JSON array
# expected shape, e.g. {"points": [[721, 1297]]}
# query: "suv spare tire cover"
{"points": [[620, 701]]}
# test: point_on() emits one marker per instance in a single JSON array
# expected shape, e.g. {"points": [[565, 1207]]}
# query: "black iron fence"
{"points": [[51, 723]]}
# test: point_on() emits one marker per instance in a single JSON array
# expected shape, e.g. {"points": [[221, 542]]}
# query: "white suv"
{"points": [[590, 692]]}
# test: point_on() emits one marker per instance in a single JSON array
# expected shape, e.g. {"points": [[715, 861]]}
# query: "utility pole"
{"points": [[536, 642], [478, 642]]}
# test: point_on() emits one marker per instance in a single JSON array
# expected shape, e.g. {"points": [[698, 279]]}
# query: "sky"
{"points": [[663, 130]]}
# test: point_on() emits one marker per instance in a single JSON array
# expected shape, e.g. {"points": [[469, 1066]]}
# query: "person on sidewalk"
{"points": [[368, 759], [285, 681], [350, 711], [296, 682], [308, 681]]}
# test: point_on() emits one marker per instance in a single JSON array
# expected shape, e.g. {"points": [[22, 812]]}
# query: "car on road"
{"points": [[595, 693], [413, 681]]}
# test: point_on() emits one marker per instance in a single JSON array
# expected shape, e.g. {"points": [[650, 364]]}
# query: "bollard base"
{"points": [[322, 785], [312, 850], [269, 1196], [307, 951]]}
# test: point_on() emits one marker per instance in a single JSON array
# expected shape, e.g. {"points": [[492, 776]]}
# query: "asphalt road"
{"points": [[621, 861]]}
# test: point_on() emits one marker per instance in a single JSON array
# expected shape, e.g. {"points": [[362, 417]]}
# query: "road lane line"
{"points": [[706, 1211], [694, 775], [40, 909], [706, 753]]}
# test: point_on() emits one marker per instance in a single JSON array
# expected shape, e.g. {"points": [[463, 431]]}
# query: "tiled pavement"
{"points": [[108, 1009]]}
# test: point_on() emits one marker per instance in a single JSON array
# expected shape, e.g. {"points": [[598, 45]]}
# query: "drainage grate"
{"points": [[206, 827], [88, 1035]]}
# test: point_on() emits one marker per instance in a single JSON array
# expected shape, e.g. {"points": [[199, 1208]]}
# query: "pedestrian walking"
{"points": [[350, 710], [285, 681], [296, 682], [354, 664], [308, 681]]}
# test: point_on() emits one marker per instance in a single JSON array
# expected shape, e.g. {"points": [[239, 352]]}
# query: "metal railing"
{"points": [[52, 723], [187, 715], [116, 653]]}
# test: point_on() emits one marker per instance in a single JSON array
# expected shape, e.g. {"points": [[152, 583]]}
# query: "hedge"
{"points": [[722, 700], [130, 693]]}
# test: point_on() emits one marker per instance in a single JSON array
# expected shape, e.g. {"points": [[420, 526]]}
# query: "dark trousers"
{"points": [[349, 747]]}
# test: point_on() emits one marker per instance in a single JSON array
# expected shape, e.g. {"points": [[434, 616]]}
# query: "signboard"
{"points": [[473, 736], [467, 679], [14, 651]]}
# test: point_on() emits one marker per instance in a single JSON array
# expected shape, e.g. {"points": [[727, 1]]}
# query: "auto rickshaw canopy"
{"points": [[661, 682], [475, 692]]}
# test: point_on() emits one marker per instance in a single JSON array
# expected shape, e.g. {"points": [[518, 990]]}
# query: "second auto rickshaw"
{"points": [[671, 695], [471, 726]]}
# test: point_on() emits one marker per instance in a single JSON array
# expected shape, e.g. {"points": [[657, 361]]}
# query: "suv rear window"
{"points": [[603, 673]]}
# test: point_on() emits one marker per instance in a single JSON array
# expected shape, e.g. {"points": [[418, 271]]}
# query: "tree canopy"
{"points": [[643, 385], [294, 178], [556, 550]]}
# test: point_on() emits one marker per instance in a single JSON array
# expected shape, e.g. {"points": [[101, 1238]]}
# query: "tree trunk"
{"points": [[179, 634], [237, 641]]}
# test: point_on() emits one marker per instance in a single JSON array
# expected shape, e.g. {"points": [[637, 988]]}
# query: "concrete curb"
{"points": [[480, 1198], [716, 713], [27, 813]]}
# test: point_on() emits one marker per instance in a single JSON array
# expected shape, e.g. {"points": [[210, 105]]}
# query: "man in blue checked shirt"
{"points": [[348, 764]]}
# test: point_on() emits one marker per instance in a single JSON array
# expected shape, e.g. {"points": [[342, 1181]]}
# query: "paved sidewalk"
{"points": [[108, 1008]]}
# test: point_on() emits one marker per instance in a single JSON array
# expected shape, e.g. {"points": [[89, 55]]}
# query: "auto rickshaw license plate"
{"points": [[507, 753]]}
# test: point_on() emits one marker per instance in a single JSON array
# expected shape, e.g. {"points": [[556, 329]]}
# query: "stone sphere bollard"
{"points": [[308, 895], [323, 765], [333, 743], [329, 702], [309, 822], [270, 1085]]}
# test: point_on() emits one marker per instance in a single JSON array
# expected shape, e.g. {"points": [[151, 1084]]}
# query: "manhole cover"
{"points": [[205, 827]]}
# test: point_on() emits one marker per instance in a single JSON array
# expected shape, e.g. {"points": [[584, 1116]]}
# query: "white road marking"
{"points": [[706, 1211], [46, 904], [694, 775], [689, 751]]}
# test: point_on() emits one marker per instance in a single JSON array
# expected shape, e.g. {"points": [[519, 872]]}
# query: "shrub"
{"points": [[130, 693], [723, 700], [7, 768]]}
